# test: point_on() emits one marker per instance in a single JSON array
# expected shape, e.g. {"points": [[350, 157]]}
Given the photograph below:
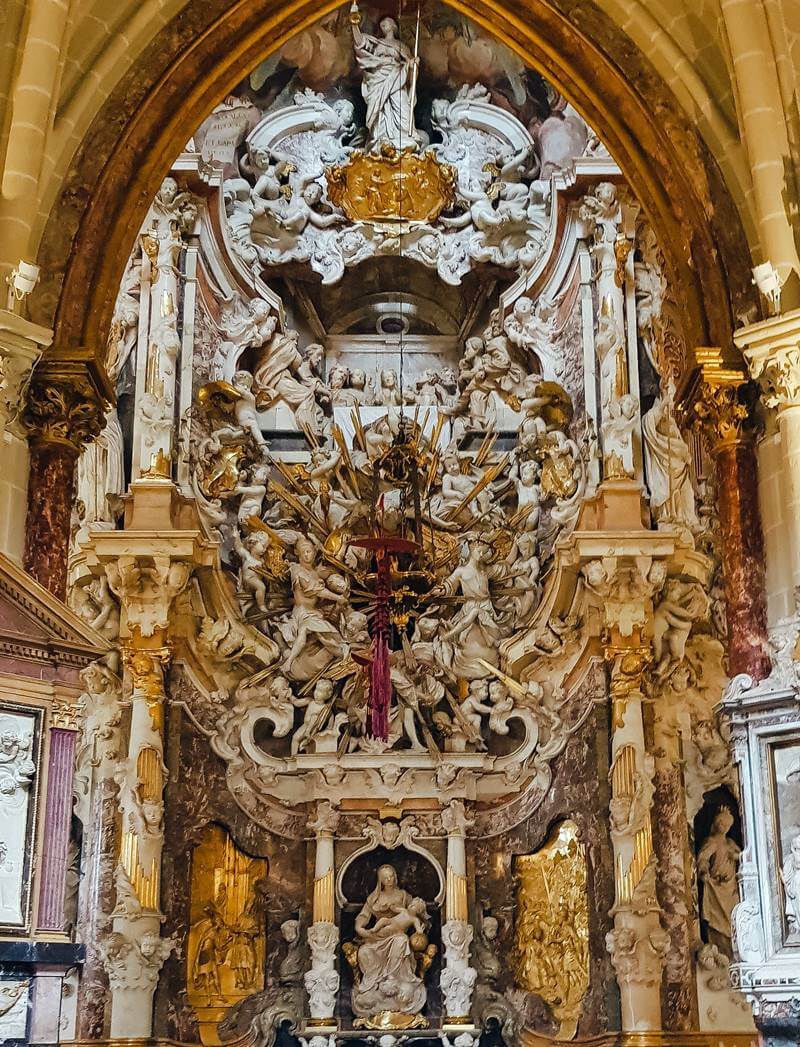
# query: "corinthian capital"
{"points": [[67, 400], [21, 345], [714, 398], [772, 351]]}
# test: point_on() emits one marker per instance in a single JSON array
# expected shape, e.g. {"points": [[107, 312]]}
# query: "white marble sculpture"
{"points": [[668, 464], [388, 84], [458, 977], [389, 981], [790, 877]]}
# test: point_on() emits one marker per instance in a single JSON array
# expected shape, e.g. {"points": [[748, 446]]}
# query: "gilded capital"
{"points": [[714, 399], [66, 715], [67, 400]]}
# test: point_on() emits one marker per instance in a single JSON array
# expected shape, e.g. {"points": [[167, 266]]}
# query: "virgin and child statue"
{"points": [[387, 979], [388, 84]]}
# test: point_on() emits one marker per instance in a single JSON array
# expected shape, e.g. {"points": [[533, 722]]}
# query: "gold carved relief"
{"points": [[394, 186], [551, 929], [227, 939]]}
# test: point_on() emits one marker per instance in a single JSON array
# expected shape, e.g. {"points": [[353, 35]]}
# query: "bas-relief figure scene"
{"points": [[410, 726]]}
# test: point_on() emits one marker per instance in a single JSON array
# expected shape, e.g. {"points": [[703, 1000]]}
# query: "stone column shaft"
{"points": [[714, 398], [772, 351]]}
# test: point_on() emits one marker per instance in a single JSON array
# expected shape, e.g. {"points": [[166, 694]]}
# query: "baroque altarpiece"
{"points": [[409, 562]]}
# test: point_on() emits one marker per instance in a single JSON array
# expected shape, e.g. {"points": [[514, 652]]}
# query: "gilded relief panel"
{"points": [[227, 934], [551, 933]]}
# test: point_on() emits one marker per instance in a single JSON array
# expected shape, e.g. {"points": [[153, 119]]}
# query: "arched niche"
{"points": [[142, 126]]}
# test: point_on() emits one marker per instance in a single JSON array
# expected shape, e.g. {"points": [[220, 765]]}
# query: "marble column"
{"points": [[674, 881], [65, 409], [21, 345], [97, 762], [58, 816], [135, 952], [625, 587], [458, 978], [714, 397], [322, 979]]}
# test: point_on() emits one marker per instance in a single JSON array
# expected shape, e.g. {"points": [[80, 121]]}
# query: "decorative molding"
{"points": [[714, 399], [66, 715]]}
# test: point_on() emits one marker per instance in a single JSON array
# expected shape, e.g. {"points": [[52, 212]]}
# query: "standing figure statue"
{"points": [[388, 83]]}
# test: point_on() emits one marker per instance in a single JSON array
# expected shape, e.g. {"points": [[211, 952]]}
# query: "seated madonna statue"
{"points": [[390, 930]]}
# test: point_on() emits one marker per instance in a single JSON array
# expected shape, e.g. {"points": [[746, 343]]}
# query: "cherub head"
{"points": [[337, 378], [323, 689], [290, 930], [489, 927], [523, 308], [312, 194]]}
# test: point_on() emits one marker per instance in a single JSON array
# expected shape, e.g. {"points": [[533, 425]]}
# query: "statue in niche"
{"points": [[385, 964], [790, 877], [387, 84], [667, 460], [716, 868]]}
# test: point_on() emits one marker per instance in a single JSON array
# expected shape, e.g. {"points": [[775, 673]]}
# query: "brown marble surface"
{"points": [[51, 490], [196, 795], [579, 791], [101, 845], [674, 883], [742, 545]]}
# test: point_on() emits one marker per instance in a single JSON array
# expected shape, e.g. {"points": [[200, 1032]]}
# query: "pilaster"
{"points": [[21, 346], [772, 352]]}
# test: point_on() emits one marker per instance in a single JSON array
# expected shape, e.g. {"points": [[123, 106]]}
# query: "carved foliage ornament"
{"points": [[395, 186], [64, 410], [551, 929]]}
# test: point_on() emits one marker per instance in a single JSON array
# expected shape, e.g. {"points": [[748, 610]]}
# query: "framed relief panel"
{"points": [[786, 784], [20, 740]]}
